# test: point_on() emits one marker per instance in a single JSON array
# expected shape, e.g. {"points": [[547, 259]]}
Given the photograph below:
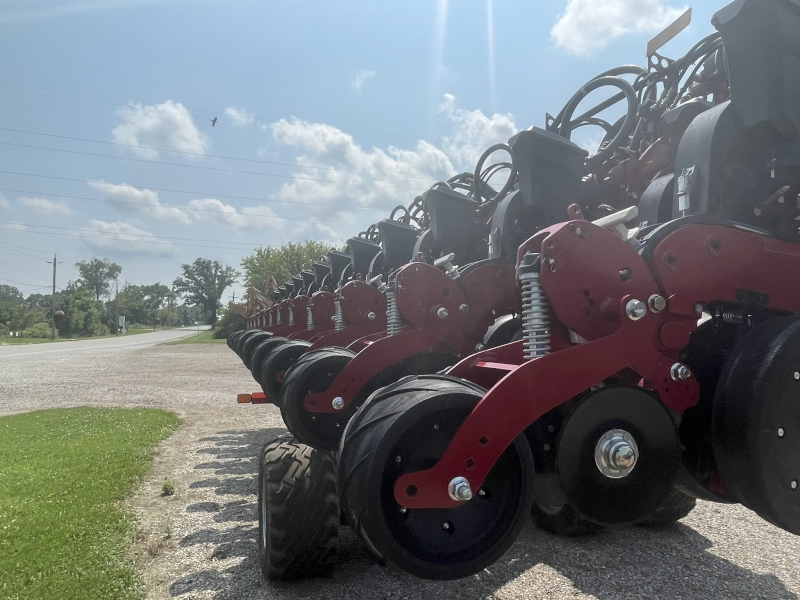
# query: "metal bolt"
{"points": [[797, 375], [578, 231], [371, 316], [481, 492], [657, 303], [550, 428], [459, 489], [463, 309], [679, 372], [794, 484], [622, 456], [338, 403], [403, 510], [781, 432], [436, 427], [546, 447], [446, 525], [616, 453], [398, 458], [698, 308], [442, 312], [635, 309], [480, 347]]}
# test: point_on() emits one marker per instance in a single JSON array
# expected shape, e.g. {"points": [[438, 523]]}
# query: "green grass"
{"points": [[63, 472], [204, 337]]}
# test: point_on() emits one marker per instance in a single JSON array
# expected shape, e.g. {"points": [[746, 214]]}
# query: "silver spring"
{"points": [[394, 321], [278, 313], [338, 317], [291, 316], [732, 317], [270, 319], [309, 319], [535, 317]]}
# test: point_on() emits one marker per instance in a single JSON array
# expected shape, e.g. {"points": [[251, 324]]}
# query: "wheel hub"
{"points": [[616, 453]]}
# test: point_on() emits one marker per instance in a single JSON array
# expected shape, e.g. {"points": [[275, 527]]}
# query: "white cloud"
{"points": [[168, 126], [4, 203], [249, 217], [239, 116], [142, 201], [361, 78], [13, 11], [473, 132], [124, 238], [588, 25], [45, 207]]}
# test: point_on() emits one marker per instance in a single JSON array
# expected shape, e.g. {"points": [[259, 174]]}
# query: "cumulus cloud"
{"points": [[588, 25], [361, 78], [124, 238], [248, 217], [473, 132], [239, 116], [45, 207], [169, 126], [142, 201], [4, 203]]}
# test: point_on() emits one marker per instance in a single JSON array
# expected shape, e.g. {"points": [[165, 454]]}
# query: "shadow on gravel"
{"points": [[615, 564]]}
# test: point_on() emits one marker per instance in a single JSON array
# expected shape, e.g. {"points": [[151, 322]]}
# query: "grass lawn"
{"points": [[63, 472], [204, 337]]}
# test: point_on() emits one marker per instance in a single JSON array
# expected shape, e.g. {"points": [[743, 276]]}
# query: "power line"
{"points": [[203, 194], [201, 167], [197, 110], [168, 206], [23, 283], [66, 262], [27, 257], [250, 160]]}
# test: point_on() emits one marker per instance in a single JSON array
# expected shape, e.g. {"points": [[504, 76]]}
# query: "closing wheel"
{"points": [[618, 455], [298, 511], [249, 346], [562, 520], [246, 335], [233, 337], [406, 427], [756, 422], [313, 373], [674, 507], [261, 352], [277, 363]]}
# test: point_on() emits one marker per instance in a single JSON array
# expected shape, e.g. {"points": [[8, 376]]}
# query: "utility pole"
{"points": [[53, 303], [233, 298], [116, 301]]}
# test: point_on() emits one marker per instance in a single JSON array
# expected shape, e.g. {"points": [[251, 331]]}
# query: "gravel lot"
{"points": [[201, 543]]}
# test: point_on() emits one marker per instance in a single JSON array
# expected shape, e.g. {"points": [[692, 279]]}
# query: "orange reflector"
{"points": [[244, 398]]}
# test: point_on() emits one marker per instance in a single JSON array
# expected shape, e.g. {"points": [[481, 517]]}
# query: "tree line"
{"points": [[91, 304]]}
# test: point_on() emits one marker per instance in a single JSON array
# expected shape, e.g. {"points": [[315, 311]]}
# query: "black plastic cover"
{"points": [[397, 240], [339, 262], [362, 251], [452, 219]]}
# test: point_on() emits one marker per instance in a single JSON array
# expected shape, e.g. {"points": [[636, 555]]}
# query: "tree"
{"points": [[82, 315], [98, 274], [203, 283], [280, 263], [155, 296], [8, 293]]}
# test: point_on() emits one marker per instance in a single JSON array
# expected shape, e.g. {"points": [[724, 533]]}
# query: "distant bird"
{"points": [[213, 121]]}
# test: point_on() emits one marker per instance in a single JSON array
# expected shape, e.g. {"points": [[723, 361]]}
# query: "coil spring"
{"points": [[338, 317], [270, 319], [732, 317], [535, 317], [291, 316], [309, 319], [278, 314], [394, 321]]}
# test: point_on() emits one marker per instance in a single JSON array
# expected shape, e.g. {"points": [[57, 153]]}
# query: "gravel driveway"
{"points": [[201, 542]]}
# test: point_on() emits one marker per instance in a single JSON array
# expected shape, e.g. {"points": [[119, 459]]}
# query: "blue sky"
{"points": [[363, 105]]}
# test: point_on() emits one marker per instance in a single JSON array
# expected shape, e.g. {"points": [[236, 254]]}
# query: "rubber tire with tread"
{"points": [[565, 522], [298, 512], [250, 346], [674, 507], [261, 352], [280, 359], [246, 335]]}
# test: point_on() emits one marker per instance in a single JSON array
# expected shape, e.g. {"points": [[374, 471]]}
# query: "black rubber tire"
{"points": [[233, 337], [237, 346], [675, 506], [280, 360], [250, 346], [299, 513], [312, 373], [261, 352], [393, 422], [564, 521]]}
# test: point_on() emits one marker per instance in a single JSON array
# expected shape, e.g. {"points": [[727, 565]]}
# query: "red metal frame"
{"points": [[690, 266]]}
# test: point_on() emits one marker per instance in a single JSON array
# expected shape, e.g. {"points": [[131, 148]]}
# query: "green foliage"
{"points": [[203, 283], [63, 473], [280, 263], [168, 487], [228, 323], [82, 315], [8, 293], [40, 330], [22, 317], [98, 274], [204, 337]]}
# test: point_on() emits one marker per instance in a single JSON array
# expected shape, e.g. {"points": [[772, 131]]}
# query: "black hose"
{"points": [[512, 176]]}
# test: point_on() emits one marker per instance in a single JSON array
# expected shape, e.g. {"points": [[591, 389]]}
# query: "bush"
{"points": [[40, 330], [228, 323], [168, 487]]}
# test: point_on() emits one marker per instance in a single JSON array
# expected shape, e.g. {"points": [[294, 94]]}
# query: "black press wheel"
{"points": [[261, 352], [406, 427], [233, 337], [313, 373], [674, 507], [562, 520], [298, 511], [277, 363], [249, 346], [246, 335]]}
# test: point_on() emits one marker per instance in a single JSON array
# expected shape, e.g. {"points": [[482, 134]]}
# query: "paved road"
{"points": [[140, 340]]}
